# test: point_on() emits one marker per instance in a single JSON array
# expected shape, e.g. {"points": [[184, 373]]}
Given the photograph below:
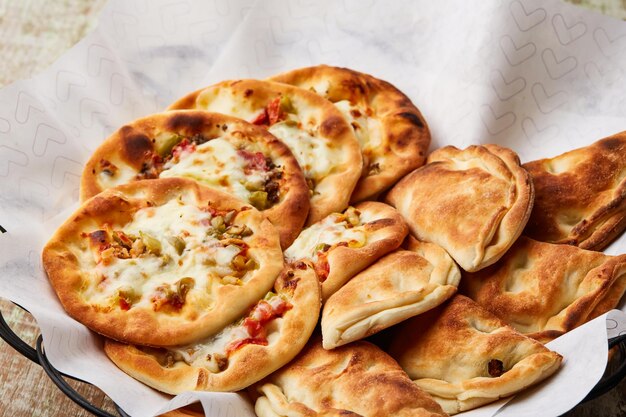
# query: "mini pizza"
{"points": [[474, 203], [316, 132], [269, 335], [398, 286], [544, 290], [342, 244], [218, 151], [358, 379], [580, 196], [162, 262], [393, 135], [465, 357]]}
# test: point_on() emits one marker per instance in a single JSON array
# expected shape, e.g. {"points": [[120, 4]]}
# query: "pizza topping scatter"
{"points": [[317, 241], [213, 353], [225, 163], [200, 244], [495, 368]]}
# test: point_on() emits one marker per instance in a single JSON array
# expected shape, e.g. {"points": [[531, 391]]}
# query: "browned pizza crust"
{"points": [[398, 139], [358, 379], [580, 196], [286, 336], [474, 203], [544, 290], [343, 244], [161, 307], [332, 165], [398, 286], [143, 149], [466, 357]]}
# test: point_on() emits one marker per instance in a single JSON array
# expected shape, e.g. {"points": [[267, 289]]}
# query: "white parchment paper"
{"points": [[540, 77]]}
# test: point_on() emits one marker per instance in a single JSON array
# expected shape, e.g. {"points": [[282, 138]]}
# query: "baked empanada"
{"points": [[358, 379], [343, 244], [544, 290], [473, 203], [393, 135], [580, 196], [400, 285], [465, 357]]}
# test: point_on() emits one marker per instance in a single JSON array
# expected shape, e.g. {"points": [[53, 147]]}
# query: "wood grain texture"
{"points": [[33, 33]]}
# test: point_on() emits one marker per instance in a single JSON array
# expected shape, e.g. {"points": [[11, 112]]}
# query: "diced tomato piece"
{"points": [[254, 161], [236, 344], [274, 113], [185, 145], [124, 305], [322, 268], [253, 327], [281, 308], [261, 119]]}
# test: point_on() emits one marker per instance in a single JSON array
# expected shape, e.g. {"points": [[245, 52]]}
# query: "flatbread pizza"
{"points": [[398, 286], [216, 150], [474, 203], [466, 357], [544, 290], [393, 135], [162, 262], [580, 196], [267, 336], [342, 244], [313, 128], [358, 379]]}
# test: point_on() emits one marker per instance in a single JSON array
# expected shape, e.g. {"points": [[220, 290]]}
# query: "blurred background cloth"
{"points": [[34, 33]]}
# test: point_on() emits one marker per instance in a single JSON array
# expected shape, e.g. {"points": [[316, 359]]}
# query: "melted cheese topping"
{"points": [[315, 156], [329, 231], [195, 354], [203, 257], [217, 164], [366, 129]]}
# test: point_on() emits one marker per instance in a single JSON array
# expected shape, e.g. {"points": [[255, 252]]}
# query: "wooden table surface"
{"points": [[33, 33]]}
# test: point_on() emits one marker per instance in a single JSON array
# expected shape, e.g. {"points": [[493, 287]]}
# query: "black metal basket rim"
{"points": [[38, 356]]}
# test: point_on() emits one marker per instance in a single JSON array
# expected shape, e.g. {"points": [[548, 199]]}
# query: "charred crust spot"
{"points": [[192, 123], [611, 144], [292, 284], [495, 368], [353, 84], [380, 223], [300, 265], [412, 117], [98, 237], [136, 146], [332, 126], [248, 92]]}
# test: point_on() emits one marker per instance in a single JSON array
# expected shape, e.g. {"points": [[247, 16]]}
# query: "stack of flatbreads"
{"points": [[214, 236]]}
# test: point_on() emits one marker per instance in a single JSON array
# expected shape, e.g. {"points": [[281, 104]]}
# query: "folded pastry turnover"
{"points": [[358, 379], [474, 202], [580, 196], [544, 290], [465, 357], [400, 285]]}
